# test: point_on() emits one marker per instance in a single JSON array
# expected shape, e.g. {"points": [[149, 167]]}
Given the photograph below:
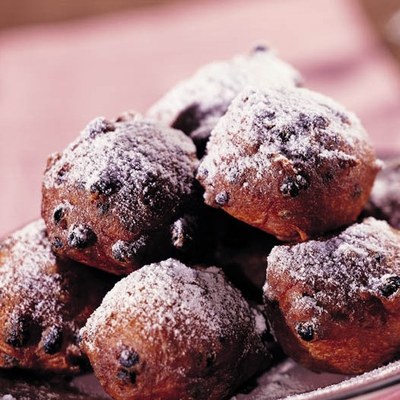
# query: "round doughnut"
{"points": [[334, 303], [195, 105], [119, 195], [384, 202], [290, 162], [168, 331], [44, 301]]}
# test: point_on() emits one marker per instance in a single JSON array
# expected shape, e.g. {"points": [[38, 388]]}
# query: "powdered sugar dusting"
{"points": [[142, 166], [127, 151], [27, 273], [363, 259], [293, 127], [186, 302], [210, 91], [385, 196]]}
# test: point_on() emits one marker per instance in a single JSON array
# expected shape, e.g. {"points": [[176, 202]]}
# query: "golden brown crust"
{"points": [[44, 302], [334, 303], [290, 162], [113, 198], [171, 332]]}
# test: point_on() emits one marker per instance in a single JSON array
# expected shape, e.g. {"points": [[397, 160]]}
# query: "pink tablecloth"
{"points": [[55, 78]]}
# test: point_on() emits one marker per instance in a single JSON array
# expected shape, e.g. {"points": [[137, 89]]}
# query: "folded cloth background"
{"points": [[54, 78]]}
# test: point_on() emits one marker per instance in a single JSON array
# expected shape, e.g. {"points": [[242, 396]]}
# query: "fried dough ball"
{"points": [[334, 304], [119, 195], [290, 162], [384, 202], [44, 301], [195, 105], [171, 332]]}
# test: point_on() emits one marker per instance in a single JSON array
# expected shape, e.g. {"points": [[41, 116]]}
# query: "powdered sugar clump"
{"points": [[185, 302], [336, 272]]}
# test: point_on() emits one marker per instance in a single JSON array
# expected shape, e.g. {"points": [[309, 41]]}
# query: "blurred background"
{"points": [[64, 62]]}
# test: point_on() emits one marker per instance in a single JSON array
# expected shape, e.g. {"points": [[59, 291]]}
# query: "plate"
{"points": [[286, 380]]}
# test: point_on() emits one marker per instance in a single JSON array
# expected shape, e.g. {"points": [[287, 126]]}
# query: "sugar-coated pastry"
{"points": [[290, 162], [44, 301], [334, 303], [118, 196], [384, 202], [168, 331], [196, 104]]}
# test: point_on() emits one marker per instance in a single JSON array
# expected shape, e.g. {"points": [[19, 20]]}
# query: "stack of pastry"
{"points": [[222, 170]]}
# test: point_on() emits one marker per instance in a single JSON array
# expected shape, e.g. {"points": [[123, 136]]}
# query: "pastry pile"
{"points": [[176, 250]]}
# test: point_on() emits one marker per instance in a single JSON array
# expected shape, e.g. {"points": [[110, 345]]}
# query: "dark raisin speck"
{"points": [[305, 331], [293, 185], [59, 213], [391, 286], [57, 243], [304, 121], [97, 126], [344, 118], [126, 377], [52, 340], [106, 187], [328, 176], [286, 133], [222, 198], [202, 173], [81, 236], [18, 333], [128, 358], [269, 115], [103, 208], [260, 48], [61, 173], [320, 122]]}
